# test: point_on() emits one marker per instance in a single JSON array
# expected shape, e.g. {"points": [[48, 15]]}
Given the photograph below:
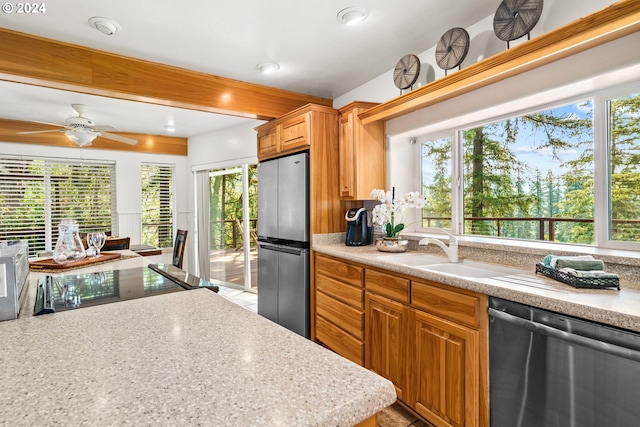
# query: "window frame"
{"points": [[601, 144]]}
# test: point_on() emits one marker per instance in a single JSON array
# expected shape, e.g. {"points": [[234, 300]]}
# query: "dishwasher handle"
{"points": [[580, 340]]}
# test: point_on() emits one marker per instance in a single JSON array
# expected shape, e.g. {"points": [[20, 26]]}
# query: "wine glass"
{"points": [[99, 240], [91, 246]]}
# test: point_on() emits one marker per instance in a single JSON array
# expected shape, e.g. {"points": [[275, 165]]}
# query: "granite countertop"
{"points": [[186, 358], [608, 306]]}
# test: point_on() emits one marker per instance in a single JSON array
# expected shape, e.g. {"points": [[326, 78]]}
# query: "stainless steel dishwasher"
{"points": [[549, 370]]}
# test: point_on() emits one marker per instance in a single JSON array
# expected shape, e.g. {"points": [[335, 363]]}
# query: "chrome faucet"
{"points": [[451, 250]]}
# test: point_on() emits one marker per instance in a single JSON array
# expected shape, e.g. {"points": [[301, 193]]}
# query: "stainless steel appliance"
{"points": [[14, 268], [551, 370], [358, 227], [283, 242], [72, 291]]}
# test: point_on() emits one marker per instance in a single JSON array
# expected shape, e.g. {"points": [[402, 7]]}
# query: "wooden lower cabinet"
{"points": [[386, 332], [445, 371], [339, 307], [429, 339]]}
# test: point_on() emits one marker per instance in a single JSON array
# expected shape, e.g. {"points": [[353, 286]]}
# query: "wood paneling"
{"points": [[618, 20], [34, 60], [147, 143]]}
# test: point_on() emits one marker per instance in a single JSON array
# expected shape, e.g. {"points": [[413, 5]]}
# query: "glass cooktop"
{"points": [[73, 291]]}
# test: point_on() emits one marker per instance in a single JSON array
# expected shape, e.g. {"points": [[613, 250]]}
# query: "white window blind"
{"points": [[158, 204], [36, 194]]}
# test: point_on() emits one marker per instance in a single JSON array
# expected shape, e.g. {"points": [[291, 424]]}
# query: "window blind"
{"points": [[158, 204], [37, 193]]}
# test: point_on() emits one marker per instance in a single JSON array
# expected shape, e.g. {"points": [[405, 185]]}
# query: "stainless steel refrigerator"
{"points": [[283, 242]]}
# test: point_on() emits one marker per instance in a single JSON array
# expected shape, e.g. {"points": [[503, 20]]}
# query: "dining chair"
{"points": [[178, 247], [116, 244]]}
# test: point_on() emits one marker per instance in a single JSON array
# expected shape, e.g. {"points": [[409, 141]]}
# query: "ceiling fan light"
{"points": [[105, 25], [82, 138], [352, 15]]}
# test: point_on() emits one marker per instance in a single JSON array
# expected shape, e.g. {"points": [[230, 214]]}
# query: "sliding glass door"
{"points": [[233, 222]]}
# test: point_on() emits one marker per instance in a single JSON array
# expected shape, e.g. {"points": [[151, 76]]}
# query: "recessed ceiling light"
{"points": [[268, 67], [352, 15], [105, 25], [170, 128]]}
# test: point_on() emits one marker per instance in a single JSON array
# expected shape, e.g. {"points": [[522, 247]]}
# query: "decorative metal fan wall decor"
{"points": [[515, 18], [406, 72], [452, 48]]}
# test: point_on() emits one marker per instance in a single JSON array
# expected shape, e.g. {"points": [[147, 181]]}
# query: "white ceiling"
{"points": [[318, 55]]}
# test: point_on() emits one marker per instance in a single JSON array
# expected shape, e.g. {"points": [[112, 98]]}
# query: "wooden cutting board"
{"points": [[50, 264]]}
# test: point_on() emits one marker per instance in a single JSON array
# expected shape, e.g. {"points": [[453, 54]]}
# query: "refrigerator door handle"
{"points": [[280, 248]]}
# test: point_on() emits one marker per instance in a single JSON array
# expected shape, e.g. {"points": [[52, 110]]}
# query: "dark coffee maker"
{"points": [[358, 229]]}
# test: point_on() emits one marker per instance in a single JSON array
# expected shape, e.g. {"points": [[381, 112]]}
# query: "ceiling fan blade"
{"points": [[107, 128], [39, 131], [50, 124], [119, 138]]}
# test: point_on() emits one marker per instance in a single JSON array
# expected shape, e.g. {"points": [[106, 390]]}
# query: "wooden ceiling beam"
{"points": [[49, 63], [156, 144]]}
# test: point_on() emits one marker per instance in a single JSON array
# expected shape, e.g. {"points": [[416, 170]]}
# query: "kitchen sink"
{"points": [[470, 269], [413, 259]]}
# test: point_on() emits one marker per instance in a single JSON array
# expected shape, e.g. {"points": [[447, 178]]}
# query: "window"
{"points": [[36, 194], [624, 168], [158, 205], [531, 176], [566, 174], [436, 183]]}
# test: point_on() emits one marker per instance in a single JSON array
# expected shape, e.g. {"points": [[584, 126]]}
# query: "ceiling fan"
{"points": [[82, 130]]}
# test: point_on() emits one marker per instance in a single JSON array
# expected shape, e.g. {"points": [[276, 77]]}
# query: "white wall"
{"points": [[127, 179]]}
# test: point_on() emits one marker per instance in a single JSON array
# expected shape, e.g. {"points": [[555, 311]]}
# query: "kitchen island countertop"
{"points": [[186, 358]]}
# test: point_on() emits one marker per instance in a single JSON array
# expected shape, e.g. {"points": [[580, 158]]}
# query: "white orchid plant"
{"points": [[390, 213]]}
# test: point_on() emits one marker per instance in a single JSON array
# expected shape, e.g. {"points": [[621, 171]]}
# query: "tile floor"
{"points": [[248, 300], [393, 416]]}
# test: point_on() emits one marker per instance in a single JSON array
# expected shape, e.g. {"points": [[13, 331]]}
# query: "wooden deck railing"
{"points": [[546, 226]]}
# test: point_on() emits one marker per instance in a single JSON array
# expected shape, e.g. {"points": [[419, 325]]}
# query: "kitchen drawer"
{"points": [[339, 341], [460, 306], [295, 133], [347, 294], [386, 285], [339, 270], [346, 318]]}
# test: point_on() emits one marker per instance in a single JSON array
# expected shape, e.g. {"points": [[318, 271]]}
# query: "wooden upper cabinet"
{"points": [[269, 141], [296, 131], [362, 153]]}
